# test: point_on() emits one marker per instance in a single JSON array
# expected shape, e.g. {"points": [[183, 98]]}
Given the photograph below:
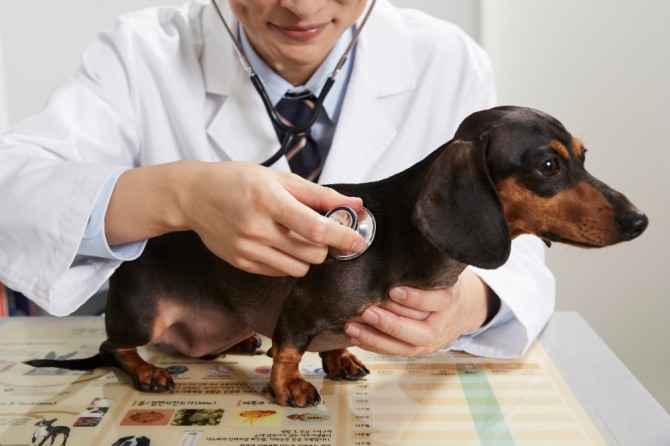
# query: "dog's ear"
{"points": [[458, 209]]}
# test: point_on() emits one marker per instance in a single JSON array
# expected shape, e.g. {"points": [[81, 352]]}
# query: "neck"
{"points": [[296, 74]]}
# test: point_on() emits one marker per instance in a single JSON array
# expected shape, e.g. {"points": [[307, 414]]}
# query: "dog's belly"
{"points": [[197, 332]]}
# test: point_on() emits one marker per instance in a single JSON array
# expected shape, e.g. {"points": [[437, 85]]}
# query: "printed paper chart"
{"points": [[441, 399]]}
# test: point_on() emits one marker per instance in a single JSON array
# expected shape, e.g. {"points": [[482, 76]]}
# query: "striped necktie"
{"points": [[303, 154]]}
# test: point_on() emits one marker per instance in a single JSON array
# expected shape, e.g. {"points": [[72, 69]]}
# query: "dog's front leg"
{"points": [[287, 384]]}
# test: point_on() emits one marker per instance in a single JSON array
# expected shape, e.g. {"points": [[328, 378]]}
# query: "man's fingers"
{"points": [[422, 300], [389, 333], [301, 248], [370, 339], [269, 261], [402, 310], [399, 327], [316, 228], [320, 197]]}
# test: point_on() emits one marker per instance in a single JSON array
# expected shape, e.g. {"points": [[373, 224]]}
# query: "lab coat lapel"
{"points": [[363, 134], [364, 130], [240, 128]]}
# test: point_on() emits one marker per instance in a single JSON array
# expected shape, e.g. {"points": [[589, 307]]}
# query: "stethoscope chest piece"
{"points": [[363, 223]]}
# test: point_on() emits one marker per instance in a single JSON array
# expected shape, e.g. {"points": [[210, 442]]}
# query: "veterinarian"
{"points": [[161, 130]]}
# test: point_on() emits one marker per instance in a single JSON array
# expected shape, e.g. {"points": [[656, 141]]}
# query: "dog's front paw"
{"points": [[295, 392], [341, 365], [288, 386], [149, 378]]}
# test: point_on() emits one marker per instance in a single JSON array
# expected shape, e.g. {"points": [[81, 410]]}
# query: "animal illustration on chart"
{"points": [[47, 431]]}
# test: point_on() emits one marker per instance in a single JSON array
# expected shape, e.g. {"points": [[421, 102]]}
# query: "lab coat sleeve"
{"points": [[94, 242], [526, 289], [52, 168]]}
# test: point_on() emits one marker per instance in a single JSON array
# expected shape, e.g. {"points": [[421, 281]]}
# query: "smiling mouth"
{"points": [[301, 32]]}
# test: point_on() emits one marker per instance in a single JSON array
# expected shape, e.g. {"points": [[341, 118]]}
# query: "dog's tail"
{"points": [[71, 364]]}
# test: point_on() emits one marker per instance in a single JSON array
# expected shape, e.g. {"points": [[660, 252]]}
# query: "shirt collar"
{"points": [[277, 86]]}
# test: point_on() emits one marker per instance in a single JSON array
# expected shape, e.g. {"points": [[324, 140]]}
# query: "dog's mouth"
{"points": [[549, 237]]}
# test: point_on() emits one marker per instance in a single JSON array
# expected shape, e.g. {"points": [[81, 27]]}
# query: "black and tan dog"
{"points": [[508, 171]]}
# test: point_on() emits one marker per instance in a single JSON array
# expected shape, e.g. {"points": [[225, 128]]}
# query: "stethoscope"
{"points": [[290, 131], [364, 223]]}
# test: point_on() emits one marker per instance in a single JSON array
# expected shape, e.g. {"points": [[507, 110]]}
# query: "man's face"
{"points": [[295, 36]]}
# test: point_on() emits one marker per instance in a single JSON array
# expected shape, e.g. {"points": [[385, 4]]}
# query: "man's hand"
{"points": [[418, 322], [257, 219]]}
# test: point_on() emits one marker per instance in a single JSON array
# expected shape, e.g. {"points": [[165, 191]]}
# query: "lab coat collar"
{"points": [[240, 128], [363, 131], [222, 70]]}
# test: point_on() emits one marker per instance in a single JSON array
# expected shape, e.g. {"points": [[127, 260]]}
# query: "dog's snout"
{"points": [[632, 224]]}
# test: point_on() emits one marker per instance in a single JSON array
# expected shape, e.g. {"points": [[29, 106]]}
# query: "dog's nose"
{"points": [[632, 224]]}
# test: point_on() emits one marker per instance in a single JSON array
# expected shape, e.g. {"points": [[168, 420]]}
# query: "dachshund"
{"points": [[508, 171]]}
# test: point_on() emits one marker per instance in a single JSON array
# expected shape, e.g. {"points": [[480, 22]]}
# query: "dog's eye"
{"points": [[549, 168]]}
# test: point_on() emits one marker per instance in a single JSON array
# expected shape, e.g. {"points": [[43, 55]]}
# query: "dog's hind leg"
{"points": [[343, 365], [146, 377], [249, 346], [66, 434]]}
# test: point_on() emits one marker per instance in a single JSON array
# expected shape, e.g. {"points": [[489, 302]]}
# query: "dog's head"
{"points": [[45, 422], [511, 171], [132, 440]]}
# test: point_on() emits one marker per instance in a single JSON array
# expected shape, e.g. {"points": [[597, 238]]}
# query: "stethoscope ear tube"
{"points": [[260, 88]]}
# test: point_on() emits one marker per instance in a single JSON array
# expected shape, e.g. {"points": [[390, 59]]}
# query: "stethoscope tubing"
{"points": [[289, 130]]}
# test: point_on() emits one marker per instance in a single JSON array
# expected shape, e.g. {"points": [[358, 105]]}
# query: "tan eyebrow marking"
{"points": [[577, 146], [560, 149]]}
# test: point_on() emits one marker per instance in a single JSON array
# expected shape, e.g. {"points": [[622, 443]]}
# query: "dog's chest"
{"points": [[433, 273], [41, 432]]}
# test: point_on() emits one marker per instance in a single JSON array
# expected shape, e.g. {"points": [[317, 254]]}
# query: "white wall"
{"points": [[463, 12], [41, 42], [603, 68]]}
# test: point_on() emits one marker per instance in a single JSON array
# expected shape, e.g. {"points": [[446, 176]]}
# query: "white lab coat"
{"points": [[166, 85]]}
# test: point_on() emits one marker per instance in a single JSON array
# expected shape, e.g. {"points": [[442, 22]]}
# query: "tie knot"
{"points": [[302, 152], [304, 95], [296, 108]]}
